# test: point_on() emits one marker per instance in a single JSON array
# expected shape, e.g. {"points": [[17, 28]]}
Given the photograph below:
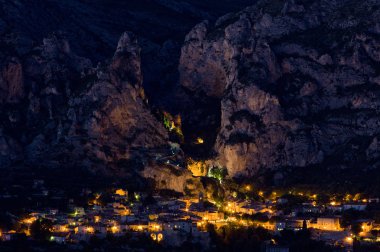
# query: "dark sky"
{"points": [[93, 26]]}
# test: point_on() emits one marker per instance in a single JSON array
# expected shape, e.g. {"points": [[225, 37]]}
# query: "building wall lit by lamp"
{"points": [[153, 236], [160, 237], [349, 239], [90, 230], [157, 237], [114, 229]]}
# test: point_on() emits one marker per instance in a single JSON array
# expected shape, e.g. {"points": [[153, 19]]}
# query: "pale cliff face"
{"points": [[297, 82]]}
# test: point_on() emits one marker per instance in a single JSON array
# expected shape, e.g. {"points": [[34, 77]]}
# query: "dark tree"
{"points": [[41, 229]]}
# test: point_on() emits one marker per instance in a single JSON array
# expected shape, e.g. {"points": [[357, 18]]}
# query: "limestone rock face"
{"points": [[113, 111], [64, 111], [11, 81], [192, 70], [297, 82], [170, 178], [9, 150]]}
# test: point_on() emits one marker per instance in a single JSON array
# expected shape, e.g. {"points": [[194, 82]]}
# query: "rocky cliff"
{"points": [[59, 111], [93, 27], [297, 82], [279, 85]]}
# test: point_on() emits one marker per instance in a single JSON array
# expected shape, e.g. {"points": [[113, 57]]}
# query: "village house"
{"points": [[101, 230], [8, 236], [296, 224], [355, 206], [366, 225], [310, 208], [281, 201], [185, 226], [79, 212], [279, 226], [60, 228], [374, 200], [334, 208], [210, 216], [327, 223], [60, 237], [139, 226], [154, 227]]}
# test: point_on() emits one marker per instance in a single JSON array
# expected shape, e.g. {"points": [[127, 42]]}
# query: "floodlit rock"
{"points": [[295, 83], [74, 112]]}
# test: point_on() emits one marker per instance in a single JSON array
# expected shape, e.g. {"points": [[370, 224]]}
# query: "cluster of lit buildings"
{"points": [[173, 221], [167, 221]]}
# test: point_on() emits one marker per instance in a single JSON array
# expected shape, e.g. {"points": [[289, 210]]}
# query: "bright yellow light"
{"points": [[137, 196], [121, 192], [333, 203], [152, 217], [160, 237], [248, 187], [349, 239], [199, 141], [29, 220], [90, 230], [154, 237], [97, 219], [356, 197], [261, 193], [64, 229], [125, 212], [114, 229]]}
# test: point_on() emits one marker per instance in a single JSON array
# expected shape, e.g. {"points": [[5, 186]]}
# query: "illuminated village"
{"points": [[170, 221], [190, 125]]}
